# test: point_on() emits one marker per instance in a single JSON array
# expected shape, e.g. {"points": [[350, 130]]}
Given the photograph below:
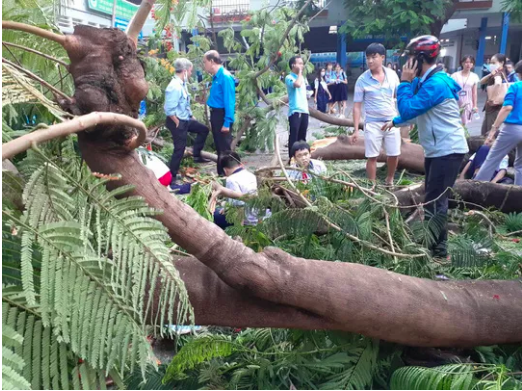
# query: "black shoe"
{"points": [[199, 159]]}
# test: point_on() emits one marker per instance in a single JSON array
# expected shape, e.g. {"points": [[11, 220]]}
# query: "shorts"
{"points": [[374, 138]]}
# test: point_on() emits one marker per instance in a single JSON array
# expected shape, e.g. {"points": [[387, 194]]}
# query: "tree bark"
{"points": [[216, 303], [361, 299], [506, 198]]}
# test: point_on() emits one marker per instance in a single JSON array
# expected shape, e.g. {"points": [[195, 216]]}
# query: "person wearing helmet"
{"points": [[429, 97]]}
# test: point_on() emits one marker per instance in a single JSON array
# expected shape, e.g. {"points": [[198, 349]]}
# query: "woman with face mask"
{"points": [[497, 76], [468, 81], [322, 94]]}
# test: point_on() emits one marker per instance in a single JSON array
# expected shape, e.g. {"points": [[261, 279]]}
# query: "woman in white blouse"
{"points": [[468, 81]]}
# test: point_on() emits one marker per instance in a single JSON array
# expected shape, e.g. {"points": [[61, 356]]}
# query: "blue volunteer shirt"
{"points": [[223, 95], [297, 99], [514, 98], [177, 100], [433, 103]]}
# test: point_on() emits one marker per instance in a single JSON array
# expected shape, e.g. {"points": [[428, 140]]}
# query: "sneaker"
{"points": [[341, 116], [199, 159], [180, 188]]}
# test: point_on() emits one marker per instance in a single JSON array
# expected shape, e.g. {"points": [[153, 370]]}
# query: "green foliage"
{"points": [[198, 200], [83, 267], [513, 222], [198, 350], [514, 7], [447, 377], [276, 359], [395, 19], [12, 361]]}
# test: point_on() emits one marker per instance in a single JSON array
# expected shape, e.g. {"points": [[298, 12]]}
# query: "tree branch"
{"points": [[283, 38], [12, 54], [354, 238], [37, 78], [38, 53], [138, 20], [61, 39], [75, 125], [240, 133]]}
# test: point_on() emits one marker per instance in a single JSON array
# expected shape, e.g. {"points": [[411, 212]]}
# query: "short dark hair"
{"points": [[518, 67], [230, 160], [292, 61], [299, 146], [500, 58], [376, 48], [431, 61], [509, 63], [213, 55], [467, 57]]}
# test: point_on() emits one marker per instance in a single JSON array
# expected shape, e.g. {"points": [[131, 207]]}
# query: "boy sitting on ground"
{"points": [[300, 152], [239, 183]]}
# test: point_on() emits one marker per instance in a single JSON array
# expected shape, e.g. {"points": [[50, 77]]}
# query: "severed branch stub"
{"points": [[75, 125], [61, 39]]}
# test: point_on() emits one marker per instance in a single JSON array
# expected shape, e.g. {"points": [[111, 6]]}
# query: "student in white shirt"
{"points": [[302, 159], [239, 183]]}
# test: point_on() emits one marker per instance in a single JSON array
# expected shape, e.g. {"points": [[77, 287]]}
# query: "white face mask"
{"points": [[493, 67], [323, 73]]}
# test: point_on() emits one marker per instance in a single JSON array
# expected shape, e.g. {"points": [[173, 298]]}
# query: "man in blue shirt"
{"points": [[222, 104], [297, 101], [428, 95], [179, 119]]}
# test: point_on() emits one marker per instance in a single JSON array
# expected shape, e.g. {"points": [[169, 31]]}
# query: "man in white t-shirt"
{"points": [[376, 88], [239, 183]]}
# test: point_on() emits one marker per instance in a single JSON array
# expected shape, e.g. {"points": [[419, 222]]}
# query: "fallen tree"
{"points": [[469, 193], [344, 296], [341, 148]]}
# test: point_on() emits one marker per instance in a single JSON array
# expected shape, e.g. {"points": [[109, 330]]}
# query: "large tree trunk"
{"points": [[506, 198], [358, 298]]}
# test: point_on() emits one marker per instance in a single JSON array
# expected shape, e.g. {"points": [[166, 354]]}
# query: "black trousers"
{"points": [[222, 140], [179, 137], [298, 128], [441, 173]]}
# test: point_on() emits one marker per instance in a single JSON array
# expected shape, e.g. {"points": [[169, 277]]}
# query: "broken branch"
{"points": [[75, 125], [34, 30]]}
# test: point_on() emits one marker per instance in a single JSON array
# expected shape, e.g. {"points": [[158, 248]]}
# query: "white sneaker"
{"points": [[341, 116]]}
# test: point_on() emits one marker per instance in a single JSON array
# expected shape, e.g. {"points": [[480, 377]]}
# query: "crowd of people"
{"points": [[385, 98]]}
